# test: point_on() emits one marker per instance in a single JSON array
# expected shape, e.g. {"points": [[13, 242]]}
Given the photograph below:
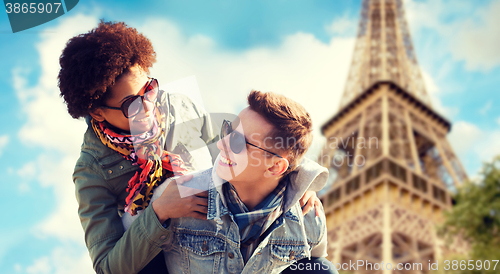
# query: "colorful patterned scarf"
{"points": [[253, 224], [147, 151]]}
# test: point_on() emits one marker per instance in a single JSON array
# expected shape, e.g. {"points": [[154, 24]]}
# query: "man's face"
{"points": [[251, 163]]}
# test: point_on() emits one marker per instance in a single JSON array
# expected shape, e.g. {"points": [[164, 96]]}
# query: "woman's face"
{"points": [[130, 84]]}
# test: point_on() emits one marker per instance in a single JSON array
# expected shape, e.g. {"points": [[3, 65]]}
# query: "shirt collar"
{"points": [[215, 193]]}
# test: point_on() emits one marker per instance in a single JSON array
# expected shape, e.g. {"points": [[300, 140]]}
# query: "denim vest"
{"points": [[213, 245]]}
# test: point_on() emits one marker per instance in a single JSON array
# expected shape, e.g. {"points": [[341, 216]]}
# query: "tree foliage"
{"points": [[476, 216]]}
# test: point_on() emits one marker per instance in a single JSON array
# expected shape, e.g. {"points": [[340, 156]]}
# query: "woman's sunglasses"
{"points": [[133, 105], [237, 141]]}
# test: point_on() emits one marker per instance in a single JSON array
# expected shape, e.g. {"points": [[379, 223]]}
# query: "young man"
{"points": [[254, 221]]}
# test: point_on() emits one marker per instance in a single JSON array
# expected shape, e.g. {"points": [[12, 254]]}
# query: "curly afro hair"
{"points": [[94, 61]]}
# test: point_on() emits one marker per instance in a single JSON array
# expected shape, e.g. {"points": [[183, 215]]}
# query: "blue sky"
{"points": [[299, 48]]}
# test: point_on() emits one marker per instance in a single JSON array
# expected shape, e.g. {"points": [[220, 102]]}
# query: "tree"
{"points": [[476, 217]]}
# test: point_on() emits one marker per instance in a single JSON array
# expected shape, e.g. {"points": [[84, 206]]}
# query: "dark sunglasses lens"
{"points": [[237, 142], [151, 92], [132, 106]]}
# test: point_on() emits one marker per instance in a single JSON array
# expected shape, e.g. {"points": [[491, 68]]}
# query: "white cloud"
{"points": [[74, 262], [61, 260], [475, 38], [14, 235], [343, 26], [48, 123], [26, 174], [49, 126], [489, 147], [302, 68], [463, 137], [424, 14], [486, 108], [40, 266], [63, 222], [58, 137], [434, 93], [478, 40], [4, 140], [498, 120], [474, 145]]}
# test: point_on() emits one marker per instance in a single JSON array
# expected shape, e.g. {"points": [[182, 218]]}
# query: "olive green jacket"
{"points": [[101, 176]]}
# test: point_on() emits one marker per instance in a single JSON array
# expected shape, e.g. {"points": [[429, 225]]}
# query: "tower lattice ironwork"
{"points": [[384, 52], [392, 170]]}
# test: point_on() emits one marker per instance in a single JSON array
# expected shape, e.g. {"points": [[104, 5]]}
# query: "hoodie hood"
{"points": [[309, 175]]}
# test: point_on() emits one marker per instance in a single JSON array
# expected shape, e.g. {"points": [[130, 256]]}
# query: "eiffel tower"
{"points": [[392, 170]]}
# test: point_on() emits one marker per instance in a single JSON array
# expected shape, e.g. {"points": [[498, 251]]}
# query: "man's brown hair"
{"points": [[292, 133]]}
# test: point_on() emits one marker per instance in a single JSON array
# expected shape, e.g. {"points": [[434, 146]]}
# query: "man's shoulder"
{"points": [[202, 180]]}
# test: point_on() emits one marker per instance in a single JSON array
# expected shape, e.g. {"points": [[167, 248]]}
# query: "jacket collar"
{"points": [[308, 175], [216, 195], [92, 145]]}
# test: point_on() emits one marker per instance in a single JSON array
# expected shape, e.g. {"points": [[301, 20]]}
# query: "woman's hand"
{"points": [[310, 200], [171, 205]]}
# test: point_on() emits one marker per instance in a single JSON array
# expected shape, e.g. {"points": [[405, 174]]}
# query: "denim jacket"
{"points": [[101, 176], [213, 245]]}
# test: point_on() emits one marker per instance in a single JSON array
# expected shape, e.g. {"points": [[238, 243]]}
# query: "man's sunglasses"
{"points": [[133, 105], [237, 141]]}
